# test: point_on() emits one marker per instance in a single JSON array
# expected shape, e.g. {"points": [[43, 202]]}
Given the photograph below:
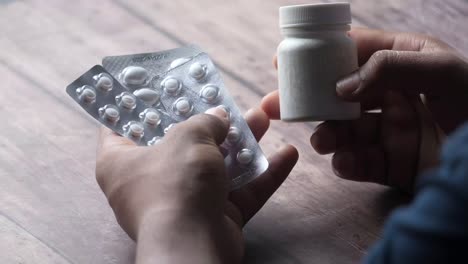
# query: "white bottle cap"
{"points": [[315, 14]]}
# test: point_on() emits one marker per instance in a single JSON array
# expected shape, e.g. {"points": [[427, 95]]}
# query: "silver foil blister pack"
{"points": [[142, 96]]}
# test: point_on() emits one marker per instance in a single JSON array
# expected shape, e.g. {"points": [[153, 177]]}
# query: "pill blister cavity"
{"points": [[177, 62], [148, 96], [103, 82], [134, 130], [197, 71], [126, 100], [154, 141], [134, 76], [169, 127], [182, 107], [86, 94], [245, 156], [109, 113], [151, 117], [171, 86], [234, 135], [210, 93]]}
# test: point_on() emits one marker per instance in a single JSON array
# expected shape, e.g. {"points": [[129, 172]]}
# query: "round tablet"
{"points": [[171, 85], [234, 135], [104, 82], [87, 94], [152, 118], [197, 71], [134, 129], [245, 156], [182, 106], [147, 95], [209, 93], [126, 100], [134, 75], [110, 113]]}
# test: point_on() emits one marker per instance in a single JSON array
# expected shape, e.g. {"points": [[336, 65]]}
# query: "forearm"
{"points": [[177, 238]]}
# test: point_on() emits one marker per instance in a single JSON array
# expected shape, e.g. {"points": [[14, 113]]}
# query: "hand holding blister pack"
{"points": [[143, 96]]}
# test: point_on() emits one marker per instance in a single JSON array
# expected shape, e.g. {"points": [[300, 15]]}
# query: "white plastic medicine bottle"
{"points": [[314, 55]]}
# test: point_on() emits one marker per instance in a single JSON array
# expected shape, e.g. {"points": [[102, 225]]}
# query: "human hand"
{"points": [[390, 147], [173, 197]]}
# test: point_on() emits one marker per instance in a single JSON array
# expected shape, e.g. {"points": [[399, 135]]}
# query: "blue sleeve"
{"points": [[434, 227]]}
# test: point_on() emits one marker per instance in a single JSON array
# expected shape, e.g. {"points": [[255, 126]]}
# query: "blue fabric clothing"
{"points": [[434, 227]]}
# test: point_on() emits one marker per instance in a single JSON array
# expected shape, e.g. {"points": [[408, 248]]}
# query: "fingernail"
{"points": [[343, 164], [217, 111], [348, 85]]}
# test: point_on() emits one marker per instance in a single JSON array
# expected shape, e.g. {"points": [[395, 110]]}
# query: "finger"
{"points": [[369, 41], [258, 122], [331, 136], [211, 128], [275, 61], [253, 196], [109, 139], [406, 71], [400, 137], [271, 105], [364, 164]]}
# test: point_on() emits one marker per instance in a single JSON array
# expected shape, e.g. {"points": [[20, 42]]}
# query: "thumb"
{"points": [[410, 72], [211, 127]]}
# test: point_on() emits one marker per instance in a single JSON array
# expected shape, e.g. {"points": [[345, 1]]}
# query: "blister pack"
{"points": [[142, 99]]}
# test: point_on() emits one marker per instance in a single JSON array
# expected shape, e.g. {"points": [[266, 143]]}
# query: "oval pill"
{"points": [[134, 75], [177, 62], [147, 95], [197, 71]]}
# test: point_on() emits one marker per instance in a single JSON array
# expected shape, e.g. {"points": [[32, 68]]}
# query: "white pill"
{"points": [[147, 95], [134, 75], [182, 106], [110, 113], [245, 156], [176, 63], [197, 71], [104, 82], [127, 100], [134, 129], [209, 93], [171, 85], [234, 135], [154, 141], [87, 94], [152, 118]]}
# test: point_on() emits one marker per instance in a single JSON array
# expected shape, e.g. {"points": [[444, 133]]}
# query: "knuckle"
{"points": [[203, 125]]}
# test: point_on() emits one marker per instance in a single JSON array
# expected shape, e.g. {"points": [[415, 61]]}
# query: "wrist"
{"points": [[173, 236]]}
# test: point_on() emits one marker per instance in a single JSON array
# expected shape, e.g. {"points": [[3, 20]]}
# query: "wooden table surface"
{"points": [[51, 209]]}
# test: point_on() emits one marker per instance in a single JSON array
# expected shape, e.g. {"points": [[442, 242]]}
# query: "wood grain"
{"points": [[50, 206]]}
